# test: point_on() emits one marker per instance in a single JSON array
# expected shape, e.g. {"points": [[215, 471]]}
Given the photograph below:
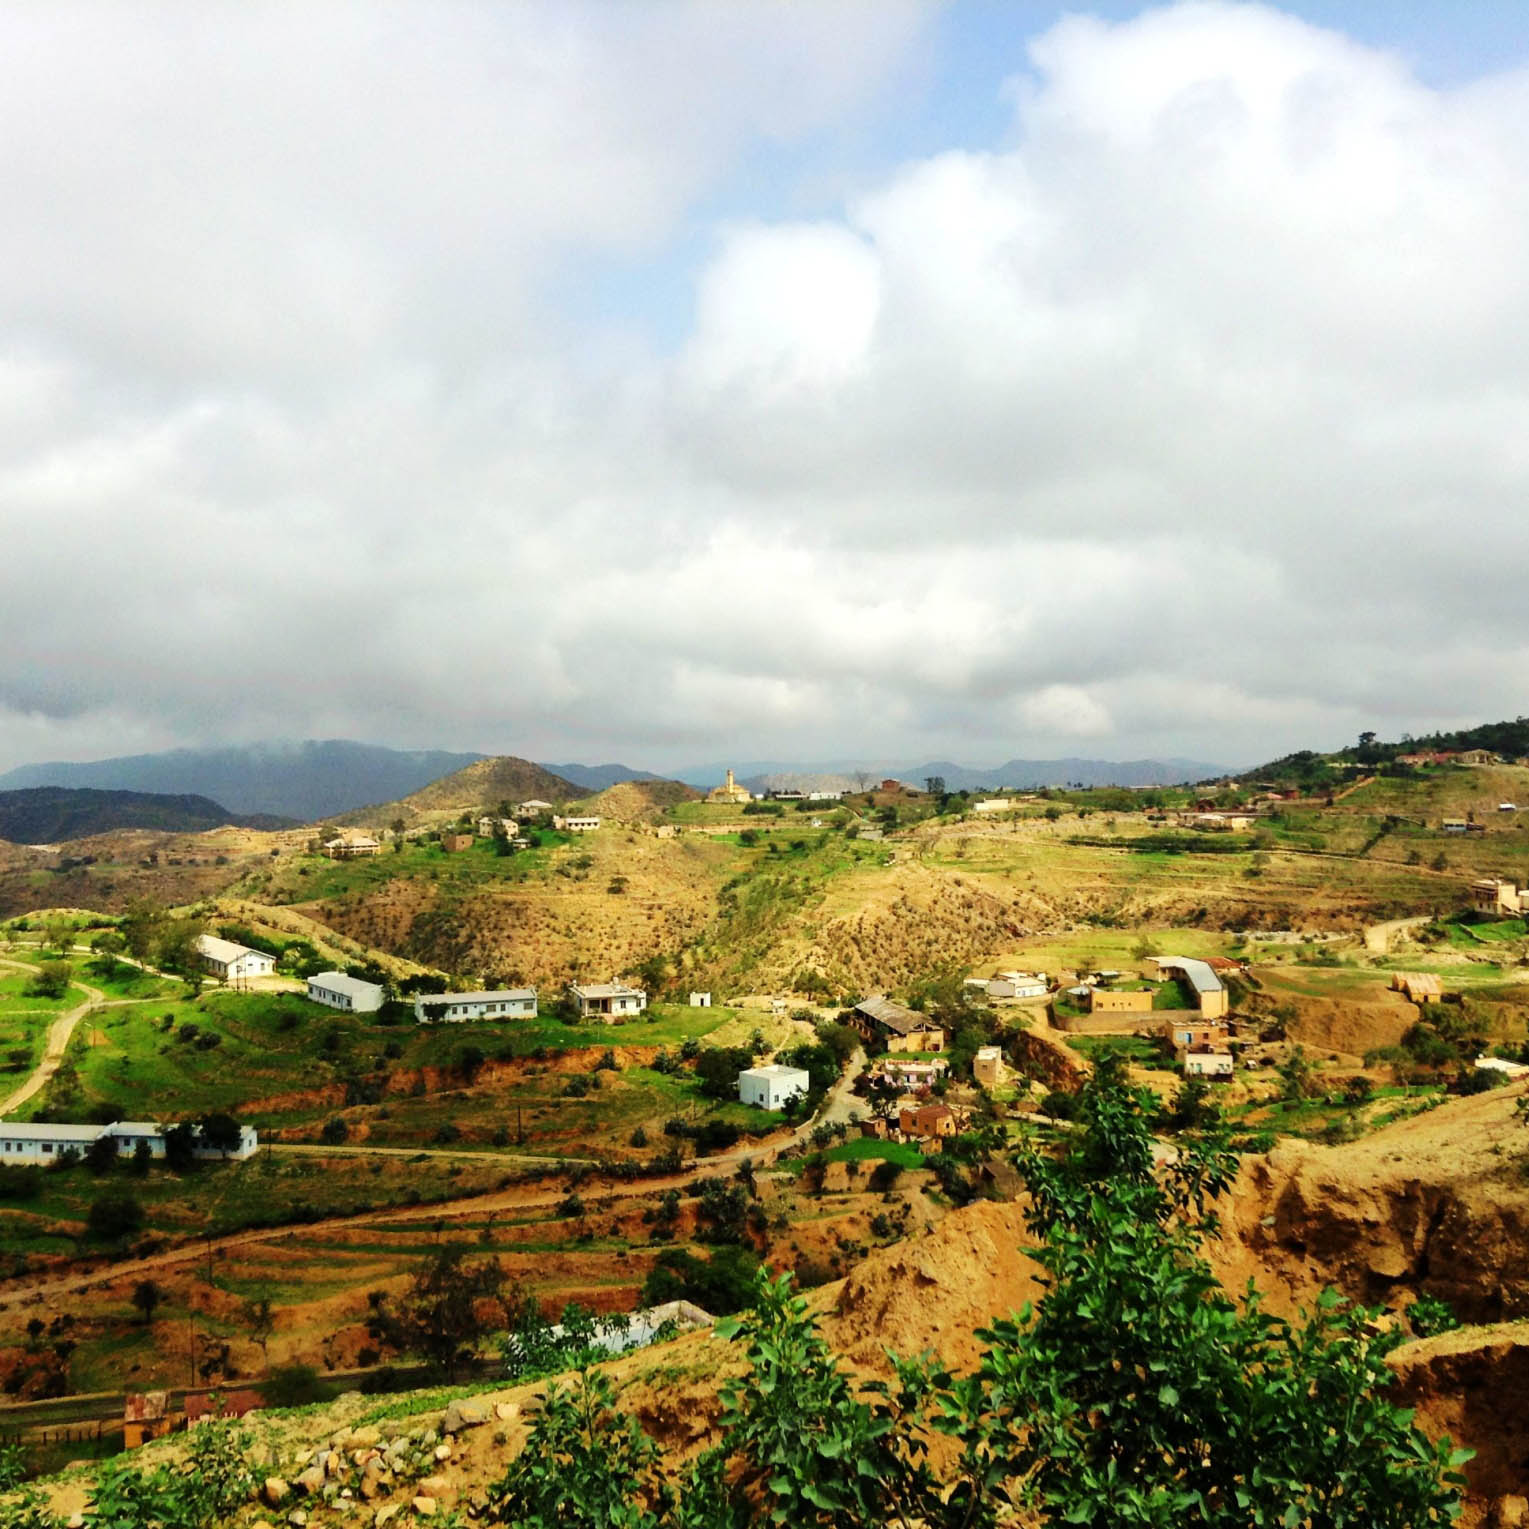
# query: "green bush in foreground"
{"points": [[1138, 1393]]}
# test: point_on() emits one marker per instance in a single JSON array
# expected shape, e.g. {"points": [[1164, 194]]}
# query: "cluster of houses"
{"points": [[1198, 1032], [30, 1142], [1006, 986]]}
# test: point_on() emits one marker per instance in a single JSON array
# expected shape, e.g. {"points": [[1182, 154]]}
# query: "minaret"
{"points": [[729, 782]]}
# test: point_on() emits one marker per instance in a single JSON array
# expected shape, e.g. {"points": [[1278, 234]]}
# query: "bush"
{"points": [[114, 1214], [294, 1385], [335, 1131]]}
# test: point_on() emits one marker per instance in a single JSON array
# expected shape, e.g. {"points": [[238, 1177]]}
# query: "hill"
{"points": [[308, 780], [482, 784], [631, 800], [51, 814]]}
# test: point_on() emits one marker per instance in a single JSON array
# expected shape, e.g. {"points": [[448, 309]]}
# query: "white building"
{"points": [[352, 847], [576, 825], [1508, 1069], [700, 1000], [456, 1008], [1208, 1064], [532, 809], [231, 962], [609, 1001], [772, 1087], [25, 1142], [993, 804], [349, 993]]}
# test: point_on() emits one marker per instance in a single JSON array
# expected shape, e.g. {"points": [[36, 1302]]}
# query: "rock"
{"points": [[386, 1515], [424, 1506], [371, 1477], [297, 1518], [435, 1486], [443, 1452], [334, 1463], [506, 1412], [1511, 1512], [363, 1438], [275, 1491], [460, 1415], [311, 1480]]}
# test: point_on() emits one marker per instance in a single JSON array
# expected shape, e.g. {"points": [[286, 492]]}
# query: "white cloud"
{"points": [[1190, 418]]}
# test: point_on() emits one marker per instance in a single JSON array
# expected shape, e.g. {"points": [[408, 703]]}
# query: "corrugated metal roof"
{"points": [[894, 1015], [226, 951], [1198, 974], [338, 982], [605, 990]]}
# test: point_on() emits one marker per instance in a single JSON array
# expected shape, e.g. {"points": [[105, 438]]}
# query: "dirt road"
{"points": [[58, 1041]]}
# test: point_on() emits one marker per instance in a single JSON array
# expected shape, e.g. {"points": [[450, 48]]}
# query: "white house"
{"points": [[1208, 1063], [1508, 1069], [772, 1087], [352, 847], [609, 1001], [700, 1000], [532, 809], [231, 962], [25, 1142], [349, 993], [455, 1008], [576, 825]]}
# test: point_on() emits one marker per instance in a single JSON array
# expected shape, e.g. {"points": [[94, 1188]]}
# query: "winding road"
{"points": [[59, 1033]]}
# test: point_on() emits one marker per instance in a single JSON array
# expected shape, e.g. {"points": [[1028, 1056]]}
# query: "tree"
{"points": [[101, 1154], [935, 785], [261, 1321], [51, 980], [219, 1132], [442, 1316], [146, 1298], [108, 948], [180, 1146], [1295, 1076], [141, 925]]}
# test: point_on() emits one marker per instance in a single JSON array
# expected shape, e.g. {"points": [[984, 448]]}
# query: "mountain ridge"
{"points": [[54, 814]]}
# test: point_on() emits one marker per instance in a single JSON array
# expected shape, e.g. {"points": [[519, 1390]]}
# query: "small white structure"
{"points": [[1208, 1063], [1017, 985], [993, 804], [700, 1000], [25, 1142], [532, 809], [609, 1001], [231, 962], [349, 993], [457, 1008], [772, 1087], [1483, 1064], [576, 825]]}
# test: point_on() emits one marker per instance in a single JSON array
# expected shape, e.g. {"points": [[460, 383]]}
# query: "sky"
{"points": [[680, 380]]}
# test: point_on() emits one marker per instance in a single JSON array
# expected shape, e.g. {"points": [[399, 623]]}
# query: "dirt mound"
{"points": [[632, 801], [933, 1292], [1474, 1386], [1437, 1204]]}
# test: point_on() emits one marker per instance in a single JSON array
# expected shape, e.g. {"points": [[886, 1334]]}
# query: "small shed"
{"points": [[145, 1417], [700, 1000], [772, 1087]]}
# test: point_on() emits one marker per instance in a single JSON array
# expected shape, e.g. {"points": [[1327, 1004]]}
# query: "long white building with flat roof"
{"points": [[232, 962], [31, 1142], [351, 994], [456, 1008]]}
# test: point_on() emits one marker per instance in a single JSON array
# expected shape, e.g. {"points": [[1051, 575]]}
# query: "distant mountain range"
{"points": [[325, 779], [600, 777], [305, 781], [51, 814], [1020, 774]]}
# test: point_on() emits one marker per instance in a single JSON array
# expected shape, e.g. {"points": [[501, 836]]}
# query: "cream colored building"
{"points": [[730, 793]]}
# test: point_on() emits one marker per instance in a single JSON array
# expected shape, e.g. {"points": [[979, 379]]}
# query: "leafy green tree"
{"points": [[444, 1312], [51, 980], [219, 1132]]}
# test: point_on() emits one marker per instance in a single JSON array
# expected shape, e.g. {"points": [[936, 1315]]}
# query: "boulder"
{"points": [[424, 1506], [275, 1491], [460, 1415], [310, 1481]]}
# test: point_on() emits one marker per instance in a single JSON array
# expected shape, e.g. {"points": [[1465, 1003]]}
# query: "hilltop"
{"points": [[632, 801], [481, 785], [51, 814]]}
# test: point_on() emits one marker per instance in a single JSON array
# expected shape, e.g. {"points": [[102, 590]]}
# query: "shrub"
{"points": [[335, 1131], [115, 1213]]}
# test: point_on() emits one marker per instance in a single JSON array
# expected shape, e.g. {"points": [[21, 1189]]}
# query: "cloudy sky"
{"points": [[678, 381]]}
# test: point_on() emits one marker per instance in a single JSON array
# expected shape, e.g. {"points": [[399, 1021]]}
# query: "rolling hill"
{"points": [[51, 814]]}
